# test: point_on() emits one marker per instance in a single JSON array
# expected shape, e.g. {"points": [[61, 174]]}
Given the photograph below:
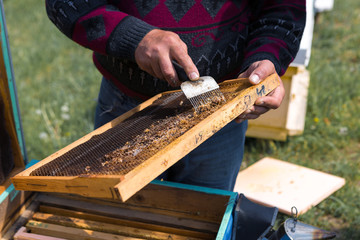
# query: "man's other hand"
{"points": [[256, 73]]}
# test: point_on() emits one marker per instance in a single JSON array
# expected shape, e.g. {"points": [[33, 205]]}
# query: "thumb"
{"points": [[263, 69]]}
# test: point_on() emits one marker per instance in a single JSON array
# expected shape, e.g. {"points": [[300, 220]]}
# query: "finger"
{"points": [[259, 110], [261, 71], [251, 116], [169, 72], [273, 100], [157, 70], [239, 120], [244, 117], [244, 75], [184, 60], [256, 110], [248, 71], [190, 68], [269, 102], [247, 111]]}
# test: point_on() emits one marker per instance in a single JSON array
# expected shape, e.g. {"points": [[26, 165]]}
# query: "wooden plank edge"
{"points": [[296, 115], [265, 132], [323, 197], [22, 234], [58, 231], [294, 132], [71, 221], [100, 186]]}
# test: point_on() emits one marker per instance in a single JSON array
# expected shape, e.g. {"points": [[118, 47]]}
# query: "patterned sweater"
{"points": [[223, 37]]}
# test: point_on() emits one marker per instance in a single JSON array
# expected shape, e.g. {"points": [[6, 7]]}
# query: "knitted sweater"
{"points": [[223, 37]]}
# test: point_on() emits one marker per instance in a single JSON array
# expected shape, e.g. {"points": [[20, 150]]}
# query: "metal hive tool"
{"points": [[123, 156], [203, 91]]}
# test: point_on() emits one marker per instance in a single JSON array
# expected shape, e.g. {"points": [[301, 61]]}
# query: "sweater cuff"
{"points": [[259, 57], [125, 38]]}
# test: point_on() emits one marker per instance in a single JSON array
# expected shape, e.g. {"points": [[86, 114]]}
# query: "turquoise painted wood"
{"points": [[11, 82]]}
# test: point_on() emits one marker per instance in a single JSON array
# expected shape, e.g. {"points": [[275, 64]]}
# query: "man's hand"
{"points": [[156, 51], [257, 72]]}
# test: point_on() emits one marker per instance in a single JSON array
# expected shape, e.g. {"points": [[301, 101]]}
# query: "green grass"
{"points": [[58, 84], [56, 80]]}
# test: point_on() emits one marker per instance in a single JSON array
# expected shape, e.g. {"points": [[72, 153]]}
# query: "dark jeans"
{"points": [[215, 163]]}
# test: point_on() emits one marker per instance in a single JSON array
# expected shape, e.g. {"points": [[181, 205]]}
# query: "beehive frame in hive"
{"points": [[123, 186]]}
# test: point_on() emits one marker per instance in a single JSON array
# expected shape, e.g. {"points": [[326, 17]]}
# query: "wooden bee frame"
{"points": [[124, 186]]}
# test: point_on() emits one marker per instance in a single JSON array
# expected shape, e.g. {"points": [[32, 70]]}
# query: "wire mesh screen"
{"points": [[126, 145]]}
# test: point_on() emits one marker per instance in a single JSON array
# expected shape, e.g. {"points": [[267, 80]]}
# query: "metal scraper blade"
{"points": [[202, 92]]}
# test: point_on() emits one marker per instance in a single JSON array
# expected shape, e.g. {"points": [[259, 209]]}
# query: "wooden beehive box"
{"points": [[161, 210], [12, 158]]}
